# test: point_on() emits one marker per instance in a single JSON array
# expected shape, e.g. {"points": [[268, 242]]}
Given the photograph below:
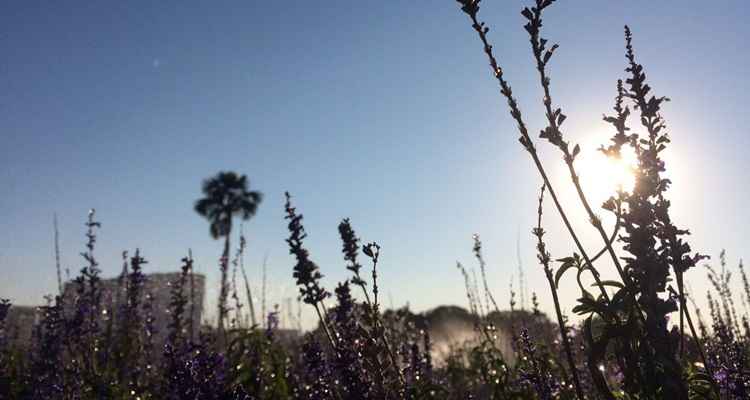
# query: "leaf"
{"points": [[549, 52], [527, 13], [529, 28], [588, 305], [576, 150], [581, 309], [584, 306], [567, 264], [610, 283], [609, 205], [367, 250]]}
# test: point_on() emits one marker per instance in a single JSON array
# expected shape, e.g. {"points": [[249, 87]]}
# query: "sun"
{"points": [[602, 176]]}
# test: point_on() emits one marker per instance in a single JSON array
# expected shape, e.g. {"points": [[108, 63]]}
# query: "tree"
{"points": [[226, 196]]}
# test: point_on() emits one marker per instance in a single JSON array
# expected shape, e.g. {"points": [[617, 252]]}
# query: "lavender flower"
{"points": [[305, 271]]}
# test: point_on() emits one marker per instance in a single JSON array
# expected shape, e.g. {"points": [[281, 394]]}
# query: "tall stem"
{"points": [[544, 258], [248, 294], [564, 335], [699, 346], [528, 144], [253, 320], [263, 289], [57, 256], [376, 317], [324, 324], [544, 80], [554, 127]]}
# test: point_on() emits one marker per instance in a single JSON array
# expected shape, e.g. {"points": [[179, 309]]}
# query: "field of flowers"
{"points": [[639, 337]]}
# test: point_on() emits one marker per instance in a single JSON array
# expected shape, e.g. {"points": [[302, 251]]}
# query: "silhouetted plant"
{"points": [[635, 317], [48, 377], [306, 272]]}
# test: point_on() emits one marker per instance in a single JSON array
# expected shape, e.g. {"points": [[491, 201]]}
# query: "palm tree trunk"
{"points": [[223, 290], [192, 299]]}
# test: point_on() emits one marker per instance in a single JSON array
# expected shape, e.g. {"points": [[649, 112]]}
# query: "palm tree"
{"points": [[226, 196]]}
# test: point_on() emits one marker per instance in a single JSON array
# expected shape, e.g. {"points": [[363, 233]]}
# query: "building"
{"points": [[158, 286], [21, 320], [19, 324]]}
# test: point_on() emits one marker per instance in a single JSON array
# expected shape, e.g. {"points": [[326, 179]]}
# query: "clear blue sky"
{"points": [[384, 112]]}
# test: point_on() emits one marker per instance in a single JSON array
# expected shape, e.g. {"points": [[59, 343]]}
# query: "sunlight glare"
{"points": [[602, 176]]}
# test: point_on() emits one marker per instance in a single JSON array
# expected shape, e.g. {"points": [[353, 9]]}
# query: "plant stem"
{"points": [[545, 258], [57, 256], [526, 141]]}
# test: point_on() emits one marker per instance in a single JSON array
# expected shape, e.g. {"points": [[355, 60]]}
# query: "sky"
{"points": [[384, 112]]}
